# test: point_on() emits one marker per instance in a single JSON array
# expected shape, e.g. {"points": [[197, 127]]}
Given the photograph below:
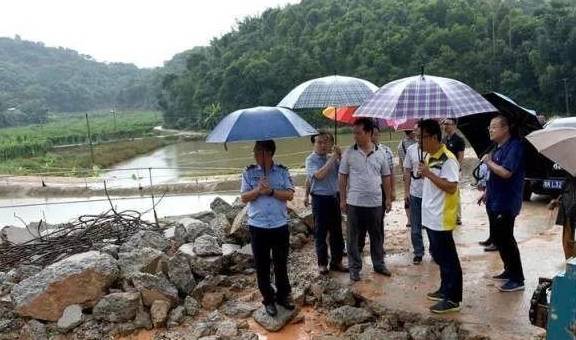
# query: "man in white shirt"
{"points": [[440, 200]]}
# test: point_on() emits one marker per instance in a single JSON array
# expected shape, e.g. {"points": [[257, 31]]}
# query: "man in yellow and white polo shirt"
{"points": [[439, 215]]}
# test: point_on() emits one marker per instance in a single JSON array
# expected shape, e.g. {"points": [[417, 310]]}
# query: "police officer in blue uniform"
{"points": [[266, 187]]}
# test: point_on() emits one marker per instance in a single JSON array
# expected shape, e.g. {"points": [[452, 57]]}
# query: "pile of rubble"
{"points": [[194, 279]]}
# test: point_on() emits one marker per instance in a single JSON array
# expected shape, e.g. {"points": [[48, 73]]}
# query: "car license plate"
{"points": [[553, 184]]}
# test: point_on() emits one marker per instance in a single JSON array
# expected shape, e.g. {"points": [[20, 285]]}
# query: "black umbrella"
{"points": [[522, 120], [475, 127]]}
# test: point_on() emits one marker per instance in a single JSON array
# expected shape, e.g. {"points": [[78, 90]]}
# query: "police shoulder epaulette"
{"points": [[282, 166], [251, 166]]}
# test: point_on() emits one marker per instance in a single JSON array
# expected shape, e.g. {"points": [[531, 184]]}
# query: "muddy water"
{"points": [[197, 159]]}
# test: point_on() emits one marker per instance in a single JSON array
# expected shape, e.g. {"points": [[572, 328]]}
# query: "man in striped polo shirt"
{"points": [[439, 215]]}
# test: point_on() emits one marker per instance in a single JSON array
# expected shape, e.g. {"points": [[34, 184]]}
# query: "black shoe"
{"points": [[502, 276], [271, 309], [491, 247], [445, 306], [286, 303], [354, 276], [417, 260], [485, 243], [435, 296], [383, 271]]}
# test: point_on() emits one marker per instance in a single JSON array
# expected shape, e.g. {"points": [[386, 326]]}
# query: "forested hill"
{"points": [[522, 48], [35, 79]]}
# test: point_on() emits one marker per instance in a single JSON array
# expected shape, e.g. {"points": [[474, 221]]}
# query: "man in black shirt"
{"points": [[456, 145]]}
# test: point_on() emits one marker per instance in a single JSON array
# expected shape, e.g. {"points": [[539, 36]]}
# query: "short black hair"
{"points": [[512, 128], [431, 127], [366, 123], [266, 145], [322, 133]]}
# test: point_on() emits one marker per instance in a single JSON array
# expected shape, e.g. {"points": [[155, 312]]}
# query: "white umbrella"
{"points": [[557, 144]]}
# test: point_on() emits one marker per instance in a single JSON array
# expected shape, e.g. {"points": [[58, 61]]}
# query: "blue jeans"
{"points": [[416, 225], [444, 252]]}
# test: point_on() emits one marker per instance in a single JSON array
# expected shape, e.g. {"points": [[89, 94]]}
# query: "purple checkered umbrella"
{"points": [[424, 97]]}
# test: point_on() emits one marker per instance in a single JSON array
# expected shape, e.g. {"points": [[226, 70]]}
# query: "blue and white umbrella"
{"points": [[258, 124], [424, 97], [334, 91]]}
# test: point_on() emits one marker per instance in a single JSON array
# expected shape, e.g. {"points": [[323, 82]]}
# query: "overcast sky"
{"points": [[143, 32]]}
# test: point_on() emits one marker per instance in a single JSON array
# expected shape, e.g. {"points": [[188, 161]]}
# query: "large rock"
{"points": [[420, 332], [192, 306], [238, 309], [154, 287], [34, 330], [79, 279], [22, 272], [307, 218], [146, 238], [220, 206], [274, 323], [207, 245], [71, 318], [226, 329], [201, 266], [238, 230], [180, 274], [176, 316], [297, 226], [219, 225], [213, 300], [346, 316], [159, 312], [204, 216], [117, 307], [191, 229], [140, 260]]}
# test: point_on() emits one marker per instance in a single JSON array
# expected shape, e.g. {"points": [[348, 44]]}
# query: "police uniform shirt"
{"points": [[267, 211]]}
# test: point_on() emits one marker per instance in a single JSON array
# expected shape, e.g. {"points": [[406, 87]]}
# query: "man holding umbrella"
{"points": [[363, 170], [266, 186], [503, 197]]}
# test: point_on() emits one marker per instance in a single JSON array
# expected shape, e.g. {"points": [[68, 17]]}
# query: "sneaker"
{"points": [[511, 286], [383, 271], [354, 276], [322, 270], [435, 296], [445, 306], [491, 247], [417, 260], [502, 276]]}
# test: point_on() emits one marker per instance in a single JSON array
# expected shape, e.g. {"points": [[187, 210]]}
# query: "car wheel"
{"points": [[527, 192]]}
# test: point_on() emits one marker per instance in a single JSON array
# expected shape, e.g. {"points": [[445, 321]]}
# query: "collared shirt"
{"points": [[365, 173], [328, 186], [454, 143], [411, 162], [267, 211], [504, 195], [439, 208]]}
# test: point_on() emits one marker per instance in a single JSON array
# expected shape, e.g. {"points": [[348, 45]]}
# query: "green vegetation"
{"points": [[36, 140], [76, 161], [522, 48], [36, 80]]}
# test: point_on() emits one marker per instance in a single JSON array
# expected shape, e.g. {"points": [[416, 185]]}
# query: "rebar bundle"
{"points": [[88, 232]]}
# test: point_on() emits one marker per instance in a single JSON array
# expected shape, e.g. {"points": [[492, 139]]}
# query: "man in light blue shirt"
{"points": [[322, 175], [266, 187]]}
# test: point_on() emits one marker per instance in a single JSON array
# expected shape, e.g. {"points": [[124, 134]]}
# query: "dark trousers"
{"points": [[327, 223], [271, 246], [362, 220], [502, 231], [444, 253]]}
